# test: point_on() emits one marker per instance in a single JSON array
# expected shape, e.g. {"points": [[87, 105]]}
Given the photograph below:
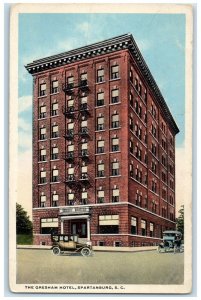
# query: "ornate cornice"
{"points": [[122, 42]]}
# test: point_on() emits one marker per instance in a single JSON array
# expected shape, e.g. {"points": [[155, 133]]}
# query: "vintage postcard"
{"points": [[100, 148]]}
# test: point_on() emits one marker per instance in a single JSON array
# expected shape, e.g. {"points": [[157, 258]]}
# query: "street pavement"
{"points": [[150, 267]]}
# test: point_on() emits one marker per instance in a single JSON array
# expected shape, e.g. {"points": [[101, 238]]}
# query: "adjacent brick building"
{"points": [[103, 147]]}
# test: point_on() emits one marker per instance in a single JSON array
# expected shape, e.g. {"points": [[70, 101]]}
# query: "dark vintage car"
{"points": [[63, 243], [171, 242]]}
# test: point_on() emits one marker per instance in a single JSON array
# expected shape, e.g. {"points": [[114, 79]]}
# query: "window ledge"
{"points": [[113, 79], [115, 176], [55, 138], [118, 151], [115, 103], [55, 116], [54, 159], [42, 118], [100, 153], [55, 182], [100, 130], [101, 82], [42, 140], [42, 161], [42, 96], [115, 128], [52, 94], [100, 177], [99, 106], [42, 183]]}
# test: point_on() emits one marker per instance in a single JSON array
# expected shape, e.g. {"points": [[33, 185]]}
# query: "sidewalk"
{"points": [[96, 248]]}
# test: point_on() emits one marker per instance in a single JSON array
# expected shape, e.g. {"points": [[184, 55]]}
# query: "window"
{"points": [[154, 186], [154, 167], [42, 177], [70, 82], [115, 195], [70, 130], [84, 174], [131, 123], [145, 95], [154, 131], [143, 227], [115, 121], [114, 72], [101, 195], [164, 212], [70, 153], [131, 170], [164, 145], [70, 105], [115, 168], [108, 224], [55, 175], [43, 155], [140, 89], [55, 152], [49, 226], [100, 123], [171, 199], [133, 225], [131, 75], [84, 197], [42, 133], [131, 146], [100, 99], [42, 200], [55, 199], [70, 173], [138, 175], [151, 229], [84, 149], [136, 84], [115, 96], [100, 146], [83, 104], [42, 113], [83, 78], [171, 184], [71, 197], [138, 198], [55, 131], [115, 144], [171, 169], [131, 99], [55, 86], [163, 159], [153, 206], [55, 107], [138, 131], [153, 148], [84, 128], [42, 89], [101, 169], [100, 75], [138, 153], [153, 111], [117, 244], [163, 176], [164, 194]]}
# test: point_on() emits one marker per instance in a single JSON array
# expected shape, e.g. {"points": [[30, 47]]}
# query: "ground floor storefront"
{"points": [[116, 225]]}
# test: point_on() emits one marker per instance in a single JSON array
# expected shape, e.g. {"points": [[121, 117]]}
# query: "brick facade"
{"points": [[134, 171]]}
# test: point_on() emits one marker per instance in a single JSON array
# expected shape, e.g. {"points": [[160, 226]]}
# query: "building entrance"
{"points": [[79, 228]]}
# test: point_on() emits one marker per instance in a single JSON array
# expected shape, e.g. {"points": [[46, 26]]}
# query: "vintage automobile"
{"points": [[171, 242], [63, 243]]}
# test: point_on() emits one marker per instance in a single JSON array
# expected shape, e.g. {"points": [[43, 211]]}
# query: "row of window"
{"points": [[83, 198], [71, 82], [137, 174], [109, 224]]}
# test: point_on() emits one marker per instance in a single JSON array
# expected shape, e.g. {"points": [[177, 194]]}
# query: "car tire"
{"points": [[56, 251], [85, 251]]}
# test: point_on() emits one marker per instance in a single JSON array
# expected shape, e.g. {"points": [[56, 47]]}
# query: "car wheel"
{"points": [[56, 251], [85, 251]]}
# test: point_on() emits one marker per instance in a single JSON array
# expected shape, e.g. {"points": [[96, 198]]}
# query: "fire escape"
{"points": [[77, 135]]}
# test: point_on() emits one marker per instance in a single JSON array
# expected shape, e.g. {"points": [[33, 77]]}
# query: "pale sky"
{"points": [[160, 37]]}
